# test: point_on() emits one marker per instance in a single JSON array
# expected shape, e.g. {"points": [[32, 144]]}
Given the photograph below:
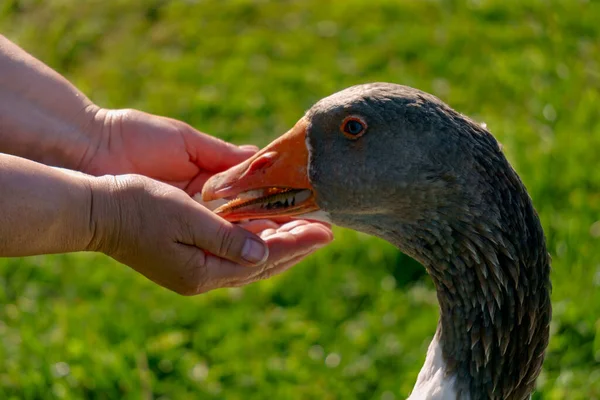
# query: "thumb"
{"points": [[228, 241]]}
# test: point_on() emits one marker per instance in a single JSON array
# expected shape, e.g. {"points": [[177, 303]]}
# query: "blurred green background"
{"points": [[354, 320]]}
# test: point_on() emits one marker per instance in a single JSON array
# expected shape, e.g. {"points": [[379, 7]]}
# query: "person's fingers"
{"points": [[283, 247], [259, 225], [226, 240], [277, 269], [267, 233], [297, 240], [281, 220], [286, 249], [291, 225], [200, 278], [249, 147], [211, 153]]}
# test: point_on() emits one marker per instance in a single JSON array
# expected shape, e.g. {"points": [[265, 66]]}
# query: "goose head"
{"points": [[398, 163], [371, 152]]}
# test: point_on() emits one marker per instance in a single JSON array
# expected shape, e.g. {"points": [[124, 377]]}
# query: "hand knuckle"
{"points": [[225, 241]]}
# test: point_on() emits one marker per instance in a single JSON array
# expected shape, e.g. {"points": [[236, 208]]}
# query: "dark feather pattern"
{"points": [[437, 185], [498, 352]]}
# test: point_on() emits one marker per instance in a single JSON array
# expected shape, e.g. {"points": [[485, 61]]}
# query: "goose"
{"points": [[398, 163]]}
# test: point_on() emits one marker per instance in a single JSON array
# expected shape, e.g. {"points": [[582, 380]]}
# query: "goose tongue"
{"points": [[272, 183]]}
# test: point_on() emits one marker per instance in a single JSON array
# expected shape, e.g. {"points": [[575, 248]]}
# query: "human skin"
{"points": [[130, 199]]}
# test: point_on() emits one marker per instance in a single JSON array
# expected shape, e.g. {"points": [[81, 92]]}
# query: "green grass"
{"points": [[354, 320]]}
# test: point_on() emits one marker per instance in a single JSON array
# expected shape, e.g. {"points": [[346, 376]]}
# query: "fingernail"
{"points": [[248, 147], [319, 246], [254, 252]]}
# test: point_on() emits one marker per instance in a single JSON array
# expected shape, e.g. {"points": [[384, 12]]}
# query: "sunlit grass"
{"points": [[353, 321]]}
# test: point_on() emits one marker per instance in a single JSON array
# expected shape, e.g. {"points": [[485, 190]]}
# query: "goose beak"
{"points": [[273, 183]]}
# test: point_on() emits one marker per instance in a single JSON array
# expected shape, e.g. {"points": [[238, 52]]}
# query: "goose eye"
{"points": [[353, 127]]}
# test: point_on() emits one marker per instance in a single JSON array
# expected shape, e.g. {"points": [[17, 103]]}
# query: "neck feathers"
{"points": [[492, 274]]}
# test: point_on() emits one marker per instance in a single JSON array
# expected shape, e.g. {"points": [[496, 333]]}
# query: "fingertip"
{"points": [[317, 231], [226, 155], [249, 147], [328, 231], [267, 233], [326, 240], [323, 238], [242, 153], [289, 226], [258, 225], [212, 153]]}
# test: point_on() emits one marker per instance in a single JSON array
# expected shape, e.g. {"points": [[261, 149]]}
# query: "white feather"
{"points": [[432, 382]]}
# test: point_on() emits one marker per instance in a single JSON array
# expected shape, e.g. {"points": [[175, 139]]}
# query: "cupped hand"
{"points": [[135, 142], [159, 231]]}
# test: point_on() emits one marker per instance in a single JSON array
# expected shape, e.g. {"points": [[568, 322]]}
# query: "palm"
{"points": [[289, 243], [161, 148]]}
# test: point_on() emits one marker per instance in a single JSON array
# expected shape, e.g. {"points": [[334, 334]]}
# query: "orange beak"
{"points": [[273, 183]]}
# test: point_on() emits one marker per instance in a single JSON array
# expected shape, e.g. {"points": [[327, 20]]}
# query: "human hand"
{"points": [[134, 142], [162, 233], [45, 118]]}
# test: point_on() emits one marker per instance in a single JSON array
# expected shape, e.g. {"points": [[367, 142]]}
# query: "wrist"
{"points": [[75, 218], [95, 127], [53, 140], [44, 117], [103, 213], [44, 210], [110, 223], [70, 147]]}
